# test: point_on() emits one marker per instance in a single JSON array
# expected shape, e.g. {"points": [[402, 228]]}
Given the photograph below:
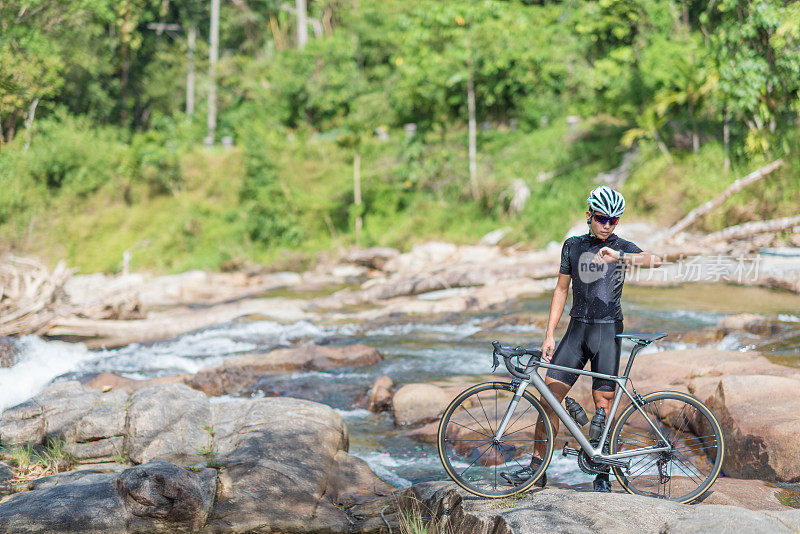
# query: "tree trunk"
{"points": [[192, 37], [726, 140], [473, 149], [752, 228], [302, 25], [357, 194], [213, 56], [29, 123], [695, 136], [736, 186]]}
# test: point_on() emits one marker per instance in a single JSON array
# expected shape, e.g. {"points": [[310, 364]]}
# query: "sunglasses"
{"points": [[602, 219]]}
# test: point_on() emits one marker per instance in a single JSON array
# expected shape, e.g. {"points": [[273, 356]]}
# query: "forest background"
{"points": [[102, 151]]}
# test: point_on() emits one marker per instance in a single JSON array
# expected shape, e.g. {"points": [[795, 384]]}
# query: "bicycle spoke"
{"points": [[476, 459], [470, 429], [687, 459], [488, 433], [486, 416], [689, 474], [466, 448], [520, 430], [520, 416]]}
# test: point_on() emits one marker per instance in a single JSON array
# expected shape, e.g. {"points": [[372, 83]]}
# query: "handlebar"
{"points": [[508, 352]]}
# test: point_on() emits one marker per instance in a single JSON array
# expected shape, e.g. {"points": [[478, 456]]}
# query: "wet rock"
{"points": [[379, 398], [237, 375], [702, 336], [418, 403], [758, 415], [9, 352], [748, 322]]}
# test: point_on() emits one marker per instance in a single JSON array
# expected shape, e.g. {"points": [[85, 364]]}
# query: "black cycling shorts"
{"points": [[583, 342]]}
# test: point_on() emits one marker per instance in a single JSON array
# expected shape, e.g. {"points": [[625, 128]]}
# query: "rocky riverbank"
{"points": [[165, 459]]}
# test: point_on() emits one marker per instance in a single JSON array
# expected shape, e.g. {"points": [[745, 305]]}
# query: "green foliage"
{"points": [[109, 163], [35, 461]]}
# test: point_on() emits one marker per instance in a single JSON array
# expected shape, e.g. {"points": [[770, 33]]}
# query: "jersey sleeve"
{"points": [[629, 246], [565, 267]]}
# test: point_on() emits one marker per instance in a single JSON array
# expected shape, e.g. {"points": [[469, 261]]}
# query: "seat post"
{"points": [[634, 352]]}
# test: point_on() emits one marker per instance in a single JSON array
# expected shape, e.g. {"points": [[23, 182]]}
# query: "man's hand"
{"points": [[548, 347], [606, 255]]}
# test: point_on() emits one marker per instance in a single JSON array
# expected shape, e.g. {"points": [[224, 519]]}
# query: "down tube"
{"points": [[562, 414]]}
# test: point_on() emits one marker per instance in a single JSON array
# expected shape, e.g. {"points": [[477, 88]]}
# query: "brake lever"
{"points": [[495, 361]]}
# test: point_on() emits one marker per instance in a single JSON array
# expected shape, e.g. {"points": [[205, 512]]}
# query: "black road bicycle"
{"points": [[665, 444]]}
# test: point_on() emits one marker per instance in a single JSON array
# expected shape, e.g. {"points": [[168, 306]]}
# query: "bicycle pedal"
{"points": [[567, 451]]}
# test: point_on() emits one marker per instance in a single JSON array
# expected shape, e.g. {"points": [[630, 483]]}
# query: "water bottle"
{"points": [[596, 428], [576, 411]]}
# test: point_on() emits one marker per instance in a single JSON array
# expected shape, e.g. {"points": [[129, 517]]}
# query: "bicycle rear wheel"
{"points": [[470, 455], [695, 461]]}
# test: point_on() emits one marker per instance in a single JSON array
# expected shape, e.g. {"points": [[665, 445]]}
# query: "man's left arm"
{"points": [[631, 255]]}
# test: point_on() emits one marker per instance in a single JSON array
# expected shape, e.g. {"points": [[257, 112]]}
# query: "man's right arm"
{"points": [[556, 309]]}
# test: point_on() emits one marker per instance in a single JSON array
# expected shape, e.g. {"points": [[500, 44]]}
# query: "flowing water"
{"points": [[418, 351]]}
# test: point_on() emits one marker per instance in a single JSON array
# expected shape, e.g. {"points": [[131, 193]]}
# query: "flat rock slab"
{"points": [[566, 510]]}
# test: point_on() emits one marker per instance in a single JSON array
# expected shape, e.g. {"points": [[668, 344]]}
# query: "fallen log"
{"points": [[735, 187], [752, 228]]}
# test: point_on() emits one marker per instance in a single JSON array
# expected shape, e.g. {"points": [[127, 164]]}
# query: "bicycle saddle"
{"points": [[642, 339]]}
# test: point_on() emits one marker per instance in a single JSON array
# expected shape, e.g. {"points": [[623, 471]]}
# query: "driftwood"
{"points": [[32, 298], [736, 186], [29, 294], [753, 228]]}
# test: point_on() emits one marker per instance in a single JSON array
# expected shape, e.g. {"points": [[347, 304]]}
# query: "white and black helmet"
{"points": [[606, 201]]}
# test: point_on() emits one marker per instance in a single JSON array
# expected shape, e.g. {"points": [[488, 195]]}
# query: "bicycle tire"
{"points": [[466, 432], [685, 422]]}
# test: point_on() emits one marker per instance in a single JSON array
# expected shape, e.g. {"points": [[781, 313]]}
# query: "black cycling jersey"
{"points": [[596, 288]]}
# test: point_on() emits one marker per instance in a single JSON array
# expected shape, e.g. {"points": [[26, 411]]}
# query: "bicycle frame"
{"points": [[595, 453]]}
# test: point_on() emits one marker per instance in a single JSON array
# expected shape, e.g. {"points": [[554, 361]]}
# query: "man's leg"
{"points": [[606, 348], [559, 390]]}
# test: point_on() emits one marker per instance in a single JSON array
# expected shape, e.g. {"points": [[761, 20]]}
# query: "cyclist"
{"points": [[595, 263]]}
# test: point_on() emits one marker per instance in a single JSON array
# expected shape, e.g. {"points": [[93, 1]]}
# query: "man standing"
{"points": [[595, 263]]}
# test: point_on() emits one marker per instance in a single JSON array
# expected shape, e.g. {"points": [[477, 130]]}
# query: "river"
{"points": [[419, 351]]}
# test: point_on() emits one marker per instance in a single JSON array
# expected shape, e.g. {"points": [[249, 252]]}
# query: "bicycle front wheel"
{"points": [[471, 455], [689, 427]]}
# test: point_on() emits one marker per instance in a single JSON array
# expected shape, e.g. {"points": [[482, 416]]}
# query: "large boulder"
{"points": [[236, 375], [418, 403], [273, 465], [276, 456], [167, 422], [758, 414], [155, 497]]}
